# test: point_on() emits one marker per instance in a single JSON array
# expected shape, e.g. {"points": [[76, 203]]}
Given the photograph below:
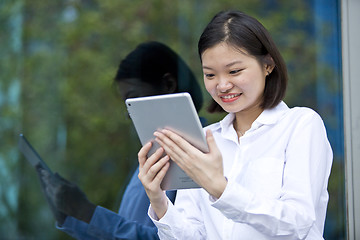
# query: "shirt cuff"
{"points": [[155, 218], [164, 224]]}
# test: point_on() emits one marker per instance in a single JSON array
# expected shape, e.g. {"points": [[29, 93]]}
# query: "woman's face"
{"points": [[234, 79]]}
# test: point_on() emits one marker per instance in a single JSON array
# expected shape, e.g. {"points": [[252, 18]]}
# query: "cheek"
{"points": [[257, 84], [210, 87]]}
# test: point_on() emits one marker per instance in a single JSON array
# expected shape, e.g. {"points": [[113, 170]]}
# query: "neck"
{"points": [[244, 119]]}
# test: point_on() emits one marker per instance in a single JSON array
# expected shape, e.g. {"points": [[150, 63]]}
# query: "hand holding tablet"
{"points": [[175, 112]]}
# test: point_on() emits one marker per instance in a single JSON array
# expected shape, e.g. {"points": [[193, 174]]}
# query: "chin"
{"points": [[229, 109]]}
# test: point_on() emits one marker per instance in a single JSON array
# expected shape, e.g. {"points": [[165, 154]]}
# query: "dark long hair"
{"points": [[246, 33]]}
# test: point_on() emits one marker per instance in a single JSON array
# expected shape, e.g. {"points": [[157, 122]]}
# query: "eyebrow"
{"points": [[227, 65], [233, 63], [205, 67]]}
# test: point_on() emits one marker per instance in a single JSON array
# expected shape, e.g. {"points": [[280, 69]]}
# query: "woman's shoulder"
{"points": [[304, 114], [303, 111]]}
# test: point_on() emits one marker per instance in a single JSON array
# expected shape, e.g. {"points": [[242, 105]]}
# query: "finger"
{"points": [[43, 179], [142, 155], [153, 178], [172, 147], [157, 171], [161, 174], [152, 160], [149, 162], [55, 183], [47, 180], [179, 149], [54, 180], [50, 185], [169, 147], [179, 141], [184, 159], [44, 174]]}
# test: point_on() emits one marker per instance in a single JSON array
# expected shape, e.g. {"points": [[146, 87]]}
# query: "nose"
{"points": [[224, 84]]}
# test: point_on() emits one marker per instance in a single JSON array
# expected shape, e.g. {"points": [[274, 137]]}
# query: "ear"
{"points": [[269, 64], [169, 83]]}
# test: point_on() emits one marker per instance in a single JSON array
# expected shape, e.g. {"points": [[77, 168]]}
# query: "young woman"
{"points": [[266, 174]]}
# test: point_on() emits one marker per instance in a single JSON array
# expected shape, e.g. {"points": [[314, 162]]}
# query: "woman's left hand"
{"points": [[206, 169]]}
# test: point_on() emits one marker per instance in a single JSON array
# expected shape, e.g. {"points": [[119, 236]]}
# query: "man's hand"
{"points": [[65, 198]]}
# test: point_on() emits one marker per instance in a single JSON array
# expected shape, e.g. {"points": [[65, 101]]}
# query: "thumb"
{"points": [[60, 178], [211, 141]]}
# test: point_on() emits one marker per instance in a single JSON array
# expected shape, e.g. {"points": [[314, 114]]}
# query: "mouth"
{"points": [[230, 97]]}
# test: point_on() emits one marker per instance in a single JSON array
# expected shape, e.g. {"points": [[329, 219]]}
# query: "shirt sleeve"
{"points": [[176, 224], [106, 224], [75, 228], [304, 188]]}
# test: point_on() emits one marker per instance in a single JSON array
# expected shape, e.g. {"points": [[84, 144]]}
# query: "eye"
{"points": [[209, 75], [233, 72]]}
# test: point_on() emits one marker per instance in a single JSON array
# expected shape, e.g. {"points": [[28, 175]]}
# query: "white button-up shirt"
{"points": [[277, 182]]}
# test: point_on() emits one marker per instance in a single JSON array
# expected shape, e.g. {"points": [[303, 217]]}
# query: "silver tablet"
{"points": [[30, 154], [175, 112]]}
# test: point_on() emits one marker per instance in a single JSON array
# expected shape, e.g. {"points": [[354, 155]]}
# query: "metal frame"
{"points": [[350, 10]]}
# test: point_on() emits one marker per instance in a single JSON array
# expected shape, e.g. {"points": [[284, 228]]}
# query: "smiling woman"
{"points": [[261, 141]]}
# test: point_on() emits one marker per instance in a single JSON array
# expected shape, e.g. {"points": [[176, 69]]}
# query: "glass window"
{"points": [[59, 59]]}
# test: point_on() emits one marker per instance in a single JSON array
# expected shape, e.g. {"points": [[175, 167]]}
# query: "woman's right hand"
{"points": [[151, 173]]}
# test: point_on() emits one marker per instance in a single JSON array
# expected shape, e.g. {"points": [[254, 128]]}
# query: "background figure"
{"points": [[151, 69]]}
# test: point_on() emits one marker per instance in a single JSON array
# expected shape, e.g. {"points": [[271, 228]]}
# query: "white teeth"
{"points": [[230, 96]]}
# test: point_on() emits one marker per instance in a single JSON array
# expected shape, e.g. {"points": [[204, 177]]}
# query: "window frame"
{"points": [[351, 87]]}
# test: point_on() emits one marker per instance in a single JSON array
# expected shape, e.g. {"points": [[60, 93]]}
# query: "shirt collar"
{"points": [[267, 117], [227, 128], [271, 116]]}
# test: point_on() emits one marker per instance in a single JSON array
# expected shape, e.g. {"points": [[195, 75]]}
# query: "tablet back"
{"points": [[175, 112], [30, 154]]}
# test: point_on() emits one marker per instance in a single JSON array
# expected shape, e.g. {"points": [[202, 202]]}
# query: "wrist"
{"points": [[86, 212], [160, 207], [218, 187]]}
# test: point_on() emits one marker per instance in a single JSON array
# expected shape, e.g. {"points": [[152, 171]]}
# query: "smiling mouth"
{"points": [[230, 96]]}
